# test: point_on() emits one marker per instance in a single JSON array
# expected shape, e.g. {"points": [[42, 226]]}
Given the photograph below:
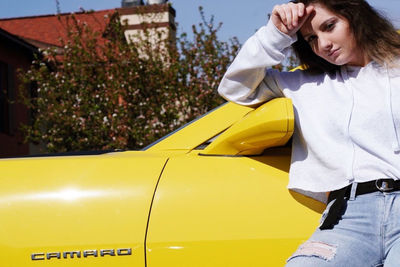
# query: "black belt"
{"points": [[341, 195]]}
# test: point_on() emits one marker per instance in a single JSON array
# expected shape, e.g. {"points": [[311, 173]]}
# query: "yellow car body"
{"points": [[211, 194]]}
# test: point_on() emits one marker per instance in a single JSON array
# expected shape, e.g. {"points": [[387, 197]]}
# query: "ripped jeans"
{"points": [[368, 234]]}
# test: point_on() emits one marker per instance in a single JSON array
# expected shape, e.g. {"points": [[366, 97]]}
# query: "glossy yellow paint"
{"points": [[50, 205], [230, 211], [271, 124], [301, 67], [207, 210]]}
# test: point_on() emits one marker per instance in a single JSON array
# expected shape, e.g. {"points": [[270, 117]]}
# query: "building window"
{"points": [[7, 99]]}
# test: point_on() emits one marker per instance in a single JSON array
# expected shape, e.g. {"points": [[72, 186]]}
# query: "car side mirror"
{"points": [[269, 125]]}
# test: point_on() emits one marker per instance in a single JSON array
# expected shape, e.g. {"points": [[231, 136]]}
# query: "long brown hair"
{"points": [[374, 34]]}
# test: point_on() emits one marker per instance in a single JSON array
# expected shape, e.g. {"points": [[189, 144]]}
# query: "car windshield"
{"points": [[180, 128]]}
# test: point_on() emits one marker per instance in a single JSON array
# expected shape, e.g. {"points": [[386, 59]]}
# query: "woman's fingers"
{"points": [[295, 16], [288, 14], [307, 13], [280, 14], [300, 9], [288, 18]]}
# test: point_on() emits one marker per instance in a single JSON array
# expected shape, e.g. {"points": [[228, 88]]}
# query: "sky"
{"points": [[240, 18]]}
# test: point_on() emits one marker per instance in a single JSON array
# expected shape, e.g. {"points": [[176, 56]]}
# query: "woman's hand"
{"points": [[288, 18]]}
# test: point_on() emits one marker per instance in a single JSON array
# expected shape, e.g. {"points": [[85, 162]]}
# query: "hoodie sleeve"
{"points": [[248, 80]]}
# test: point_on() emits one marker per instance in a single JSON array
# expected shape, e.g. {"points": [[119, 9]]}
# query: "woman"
{"points": [[347, 134]]}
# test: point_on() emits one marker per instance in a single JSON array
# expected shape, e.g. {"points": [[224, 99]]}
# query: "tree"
{"points": [[106, 93]]}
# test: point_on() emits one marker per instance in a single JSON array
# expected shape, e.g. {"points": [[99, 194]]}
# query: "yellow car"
{"points": [[212, 193]]}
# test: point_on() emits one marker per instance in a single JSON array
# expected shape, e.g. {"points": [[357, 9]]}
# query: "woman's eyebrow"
{"points": [[321, 27], [326, 22]]}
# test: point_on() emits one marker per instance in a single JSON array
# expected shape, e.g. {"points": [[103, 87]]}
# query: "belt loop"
{"points": [[353, 191]]}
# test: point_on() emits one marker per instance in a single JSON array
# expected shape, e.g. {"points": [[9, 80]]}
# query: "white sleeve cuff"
{"points": [[271, 38]]}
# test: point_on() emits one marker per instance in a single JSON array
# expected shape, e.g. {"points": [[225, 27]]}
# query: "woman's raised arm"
{"points": [[244, 81]]}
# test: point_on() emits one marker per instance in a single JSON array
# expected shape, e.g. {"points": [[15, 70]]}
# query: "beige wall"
{"points": [[158, 20]]}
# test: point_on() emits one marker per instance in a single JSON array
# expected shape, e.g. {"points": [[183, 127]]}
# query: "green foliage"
{"points": [[106, 93]]}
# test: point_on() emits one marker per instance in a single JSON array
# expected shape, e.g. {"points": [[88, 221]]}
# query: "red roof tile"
{"points": [[46, 30]]}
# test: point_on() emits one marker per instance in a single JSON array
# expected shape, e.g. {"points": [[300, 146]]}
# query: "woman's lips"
{"points": [[334, 53]]}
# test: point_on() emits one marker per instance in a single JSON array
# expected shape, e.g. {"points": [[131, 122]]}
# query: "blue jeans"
{"points": [[368, 234]]}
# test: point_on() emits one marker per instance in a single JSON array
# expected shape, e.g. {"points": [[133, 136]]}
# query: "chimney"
{"points": [[156, 2], [131, 3]]}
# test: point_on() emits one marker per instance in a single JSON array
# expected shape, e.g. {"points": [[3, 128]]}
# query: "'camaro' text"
{"points": [[80, 254]]}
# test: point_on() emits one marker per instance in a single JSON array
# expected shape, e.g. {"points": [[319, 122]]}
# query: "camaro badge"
{"points": [[79, 254]]}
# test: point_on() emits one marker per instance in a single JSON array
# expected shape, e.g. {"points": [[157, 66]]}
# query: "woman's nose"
{"points": [[325, 43]]}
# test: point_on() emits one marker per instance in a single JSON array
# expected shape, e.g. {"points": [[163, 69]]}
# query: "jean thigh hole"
{"points": [[315, 249]]}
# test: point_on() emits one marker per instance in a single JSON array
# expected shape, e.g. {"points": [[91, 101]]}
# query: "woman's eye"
{"points": [[330, 26], [311, 39]]}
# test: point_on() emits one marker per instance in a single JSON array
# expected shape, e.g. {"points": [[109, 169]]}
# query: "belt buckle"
{"points": [[385, 186]]}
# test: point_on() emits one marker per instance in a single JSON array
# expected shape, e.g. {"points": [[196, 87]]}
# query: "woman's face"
{"points": [[331, 38]]}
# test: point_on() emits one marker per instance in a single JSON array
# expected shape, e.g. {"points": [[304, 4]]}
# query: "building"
{"points": [[15, 53], [24, 36]]}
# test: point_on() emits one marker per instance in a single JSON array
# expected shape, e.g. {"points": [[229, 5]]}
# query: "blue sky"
{"points": [[240, 18]]}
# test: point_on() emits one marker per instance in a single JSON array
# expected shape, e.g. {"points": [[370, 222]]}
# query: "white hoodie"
{"points": [[347, 124]]}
